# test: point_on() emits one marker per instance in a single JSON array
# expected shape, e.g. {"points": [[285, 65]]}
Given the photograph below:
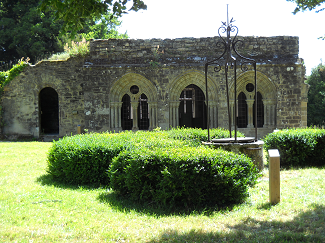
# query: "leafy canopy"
{"points": [[316, 96], [76, 13], [25, 31], [303, 5]]}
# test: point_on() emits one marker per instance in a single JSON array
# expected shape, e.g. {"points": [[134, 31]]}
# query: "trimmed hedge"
{"points": [[197, 135], [183, 176], [84, 159], [298, 147]]}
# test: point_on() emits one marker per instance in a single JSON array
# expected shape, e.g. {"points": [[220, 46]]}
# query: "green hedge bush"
{"points": [[185, 176], [84, 159], [197, 135], [298, 147]]}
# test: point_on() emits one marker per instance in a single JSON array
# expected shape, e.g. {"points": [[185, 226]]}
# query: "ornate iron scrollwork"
{"points": [[229, 58]]}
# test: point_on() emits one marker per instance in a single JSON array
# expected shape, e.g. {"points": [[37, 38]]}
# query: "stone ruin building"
{"points": [[133, 84]]}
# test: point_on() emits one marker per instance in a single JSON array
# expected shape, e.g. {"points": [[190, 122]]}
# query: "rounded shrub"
{"points": [[298, 147], [185, 176], [85, 159]]}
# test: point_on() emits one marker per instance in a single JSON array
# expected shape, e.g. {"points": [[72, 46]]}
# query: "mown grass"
{"points": [[35, 209]]}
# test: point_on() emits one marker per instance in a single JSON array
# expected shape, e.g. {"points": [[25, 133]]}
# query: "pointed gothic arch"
{"points": [[133, 85], [192, 108], [178, 85], [266, 90]]}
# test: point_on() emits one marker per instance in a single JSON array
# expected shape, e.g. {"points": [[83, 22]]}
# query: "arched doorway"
{"points": [[49, 111], [126, 113], [260, 111], [143, 113], [242, 120], [192, 108]]}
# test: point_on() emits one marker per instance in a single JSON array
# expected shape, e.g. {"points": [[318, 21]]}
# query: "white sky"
{"points": [[202, 18]]}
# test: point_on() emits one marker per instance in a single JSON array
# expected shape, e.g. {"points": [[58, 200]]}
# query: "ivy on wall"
{"points": [[6, 77]]}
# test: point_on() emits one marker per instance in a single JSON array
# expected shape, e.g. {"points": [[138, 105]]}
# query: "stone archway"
{"points": [[134, 85], [177, 86], [265, 88], [49, 111], [192, 108]]}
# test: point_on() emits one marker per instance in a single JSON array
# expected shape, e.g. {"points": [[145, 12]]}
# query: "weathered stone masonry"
{"points": [[91, 91]]}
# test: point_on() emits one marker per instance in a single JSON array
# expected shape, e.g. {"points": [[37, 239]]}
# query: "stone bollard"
{"points": [[274, 176]]}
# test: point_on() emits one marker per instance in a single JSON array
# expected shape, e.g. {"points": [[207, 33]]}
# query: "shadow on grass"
{"points": [[308, 226], [47, 180], [124, 204]]}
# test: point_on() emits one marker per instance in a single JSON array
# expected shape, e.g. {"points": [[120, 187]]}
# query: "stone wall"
{"points": [[90, 89]]}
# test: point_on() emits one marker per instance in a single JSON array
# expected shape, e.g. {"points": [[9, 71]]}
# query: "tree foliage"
{"points": [[76, 13], [303, 5], [316, 96], [25, 31], [103, 28]]}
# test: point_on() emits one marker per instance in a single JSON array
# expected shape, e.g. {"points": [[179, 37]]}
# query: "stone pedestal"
{"points": [[253, 150]]}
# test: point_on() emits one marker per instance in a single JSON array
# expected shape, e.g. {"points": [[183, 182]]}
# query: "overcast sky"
{"points": [[202, 18]]}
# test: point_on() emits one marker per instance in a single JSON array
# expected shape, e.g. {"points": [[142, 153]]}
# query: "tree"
{"points": [[316, 96], [27, 32], [76, 13], [303, 5], [103, 28]]}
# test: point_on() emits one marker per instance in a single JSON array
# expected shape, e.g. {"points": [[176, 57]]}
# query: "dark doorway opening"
{"points": [[126, 113], [143, 113], [260, 111], [242, 119], [192, 108], [49, 112]]}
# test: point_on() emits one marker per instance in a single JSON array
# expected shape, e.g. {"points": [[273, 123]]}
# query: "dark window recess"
{"points": [[49, 111], [143, 113], [192, 108], [260, 111], [242, 120], [126, 113], [134, 89], [250, 87]]}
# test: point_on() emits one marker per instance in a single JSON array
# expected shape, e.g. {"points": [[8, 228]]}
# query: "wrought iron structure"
{"points": [[230, 59]]}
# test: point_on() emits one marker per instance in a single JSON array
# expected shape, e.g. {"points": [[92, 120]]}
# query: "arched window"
{"points": [[260, 111], [192, 108], [143, 113], [49, 111], [242, 120], [126, 113]]}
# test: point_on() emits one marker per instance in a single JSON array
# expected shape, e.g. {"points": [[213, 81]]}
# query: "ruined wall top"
{"points": [[189, 51]]}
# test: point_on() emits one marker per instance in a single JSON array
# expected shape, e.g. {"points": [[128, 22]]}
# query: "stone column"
{"points": [[152, 115], [112, 106], [213, 114], [119, 115], [273, 115], [134, 105], [232, 113], [250, 106], [173, 113], [115, 115], [266, 113]]}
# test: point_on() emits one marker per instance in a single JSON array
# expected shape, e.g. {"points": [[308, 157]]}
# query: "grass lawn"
{"points": [[35, 209]]}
